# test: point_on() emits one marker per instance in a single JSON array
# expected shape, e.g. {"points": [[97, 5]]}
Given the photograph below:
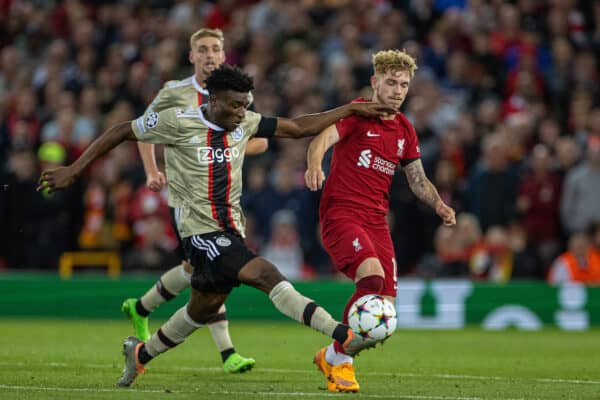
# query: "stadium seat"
{"points": [[108, 259]]}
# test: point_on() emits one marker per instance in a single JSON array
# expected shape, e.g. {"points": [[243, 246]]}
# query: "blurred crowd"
{"points": [[505, 103]]}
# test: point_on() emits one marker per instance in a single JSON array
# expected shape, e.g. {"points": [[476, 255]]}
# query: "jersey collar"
{"points": [[207, 122], [198, 87]]}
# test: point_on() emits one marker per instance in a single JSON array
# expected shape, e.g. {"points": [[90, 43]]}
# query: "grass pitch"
{"points": [[49, 359]]}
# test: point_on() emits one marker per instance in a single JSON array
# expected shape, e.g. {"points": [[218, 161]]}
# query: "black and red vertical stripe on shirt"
{"points": [[219, 182]]}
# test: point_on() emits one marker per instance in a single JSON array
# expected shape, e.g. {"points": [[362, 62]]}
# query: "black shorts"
{"points": [[179, 250], [217, 258]]}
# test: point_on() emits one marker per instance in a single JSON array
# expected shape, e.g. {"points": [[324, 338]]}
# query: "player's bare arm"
{"points": [[314, 175], [155, 180], [60, 178], [257, 146], [312, 124], [422, 187]]}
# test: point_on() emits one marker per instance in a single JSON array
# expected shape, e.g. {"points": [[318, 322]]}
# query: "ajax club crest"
{"points": [[237, 134]]}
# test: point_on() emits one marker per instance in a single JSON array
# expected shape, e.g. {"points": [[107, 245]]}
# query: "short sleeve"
{"points": [[345, 126], [156, 127], [251, 123], [411, 149]]}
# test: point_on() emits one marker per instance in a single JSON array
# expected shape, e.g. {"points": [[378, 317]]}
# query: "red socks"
{"points": [[372, 284]]}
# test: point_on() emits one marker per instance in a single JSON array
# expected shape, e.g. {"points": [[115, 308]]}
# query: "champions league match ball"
{"points": [[373, 318]]}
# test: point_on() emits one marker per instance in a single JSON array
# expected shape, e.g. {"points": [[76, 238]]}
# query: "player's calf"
{"points": [[261, 274], [169, 285]]}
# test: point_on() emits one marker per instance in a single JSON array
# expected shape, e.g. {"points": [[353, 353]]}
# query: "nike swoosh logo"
{"points": [[369, 134]]}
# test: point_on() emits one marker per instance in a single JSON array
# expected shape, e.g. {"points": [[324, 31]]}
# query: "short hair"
{"points": [[393, 60], [229, 77], [205, 32]]}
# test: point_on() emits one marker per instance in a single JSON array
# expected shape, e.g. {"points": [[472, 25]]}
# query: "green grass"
{"points": [[49, 359]]}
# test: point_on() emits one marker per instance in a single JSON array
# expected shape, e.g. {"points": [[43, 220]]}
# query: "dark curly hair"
{"points": [[229, 77]]}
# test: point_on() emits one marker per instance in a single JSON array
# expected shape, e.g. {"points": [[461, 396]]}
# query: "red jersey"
{"points": [[364, 162]]}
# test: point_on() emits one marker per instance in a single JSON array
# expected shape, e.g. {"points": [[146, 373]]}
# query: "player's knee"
{"points": [[187, 267], [197, 312], [369, 267], [260, 274], [203, 309], [202, 315]]}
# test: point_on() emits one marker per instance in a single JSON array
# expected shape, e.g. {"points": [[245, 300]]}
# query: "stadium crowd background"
{"points": [[505, 103]]}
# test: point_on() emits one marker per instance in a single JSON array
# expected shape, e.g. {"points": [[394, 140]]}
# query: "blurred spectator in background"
{"points": [[469, 233], [581, 197], [568, 154], [492, 187], [581, 263], [282, 191], [594, 234], [538, 203], [42, 225], [154, 238], [493, 259], [504, 255], [284, 247], [495, 80], [19, 221], [450, 258]]}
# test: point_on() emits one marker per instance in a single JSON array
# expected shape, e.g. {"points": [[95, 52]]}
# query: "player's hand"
{"points": [[55, 179], [314, 179], [371, 109], [446, 213], [155, 181]]}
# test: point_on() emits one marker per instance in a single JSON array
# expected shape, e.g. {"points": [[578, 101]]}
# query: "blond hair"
{"points": [[393, 60], [205, 32]]}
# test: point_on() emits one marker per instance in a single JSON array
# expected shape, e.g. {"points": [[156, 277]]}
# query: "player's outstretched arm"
{"points": [[155, 180], [60, 178], [312, 124], [314, 175], [427, 193]]}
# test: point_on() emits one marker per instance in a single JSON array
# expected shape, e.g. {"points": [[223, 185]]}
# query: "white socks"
{"points": [[170, 284], [334, 358], [173, 332], [220, 332], [291, 303]]}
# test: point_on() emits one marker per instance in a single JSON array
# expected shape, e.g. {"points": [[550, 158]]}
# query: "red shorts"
{"points": [[349, 242]]}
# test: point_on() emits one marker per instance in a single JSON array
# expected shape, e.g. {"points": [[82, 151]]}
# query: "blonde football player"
{"points": [[354, 230]]}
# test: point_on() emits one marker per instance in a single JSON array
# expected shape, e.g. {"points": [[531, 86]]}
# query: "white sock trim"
{"points": [[334, 358], [189, 319], [186, 275], [281, 286], [330, 354]]}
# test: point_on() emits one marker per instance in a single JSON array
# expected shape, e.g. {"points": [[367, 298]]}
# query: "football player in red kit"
{"points": [[355, 199]]}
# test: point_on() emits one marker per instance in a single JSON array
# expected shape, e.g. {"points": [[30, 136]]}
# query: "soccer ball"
{"points": [[373, 318]]}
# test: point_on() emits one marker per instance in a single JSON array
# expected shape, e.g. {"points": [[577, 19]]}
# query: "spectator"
{"points": [[581, 263], [493, 259], [449, 259], [469, 233], [581, 196], [568, 154], [284, 248], [594, 234], [538, 203], [492, 187], [513, 74]]}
